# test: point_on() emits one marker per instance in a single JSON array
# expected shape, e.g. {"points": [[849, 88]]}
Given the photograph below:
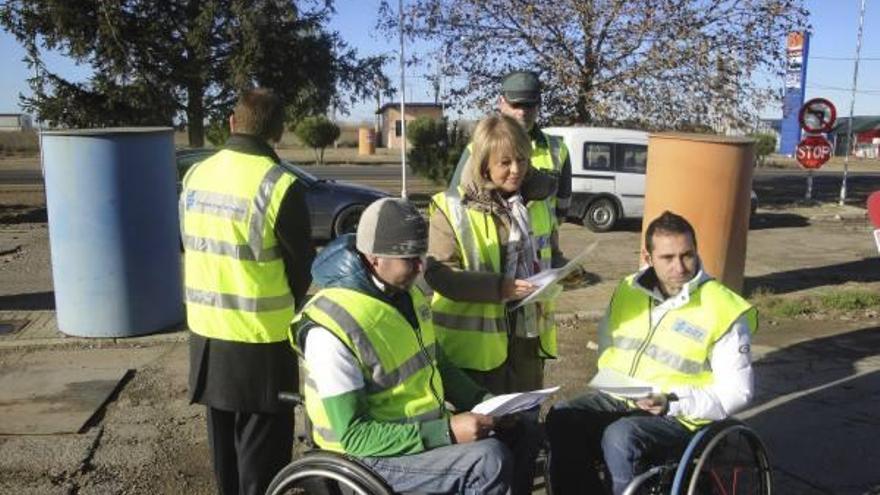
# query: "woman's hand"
{"points": [[512, 290]]}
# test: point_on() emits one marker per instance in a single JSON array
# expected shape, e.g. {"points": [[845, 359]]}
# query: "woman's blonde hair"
{"points": [[492, 134]]}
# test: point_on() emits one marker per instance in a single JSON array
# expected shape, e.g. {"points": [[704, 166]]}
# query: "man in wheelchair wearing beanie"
{"points": [[378, 383]]}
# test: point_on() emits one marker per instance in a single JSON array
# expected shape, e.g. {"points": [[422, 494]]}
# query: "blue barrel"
{"points": [[111, 196]]}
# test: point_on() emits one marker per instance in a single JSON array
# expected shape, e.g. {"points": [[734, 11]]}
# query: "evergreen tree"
{"points": [[182, 62]]}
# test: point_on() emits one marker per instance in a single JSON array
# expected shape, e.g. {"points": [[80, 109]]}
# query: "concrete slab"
{"points": [[44, 402], [41, 394]]}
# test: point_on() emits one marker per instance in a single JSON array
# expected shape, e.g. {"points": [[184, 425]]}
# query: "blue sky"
{"points": [[829, 68]]}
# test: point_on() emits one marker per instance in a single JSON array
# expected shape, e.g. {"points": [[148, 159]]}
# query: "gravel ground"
{"points": [[148, 439]]}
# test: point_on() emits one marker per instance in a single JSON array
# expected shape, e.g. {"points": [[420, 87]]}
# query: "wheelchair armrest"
{"points": [[292, 398]]}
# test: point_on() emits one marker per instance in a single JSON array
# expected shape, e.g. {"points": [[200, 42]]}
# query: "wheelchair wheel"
{"points": [[654, 481], [327, 473], [726, 458]]}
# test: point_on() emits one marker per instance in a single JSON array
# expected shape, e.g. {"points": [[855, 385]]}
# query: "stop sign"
{"points": [[813, 151]]}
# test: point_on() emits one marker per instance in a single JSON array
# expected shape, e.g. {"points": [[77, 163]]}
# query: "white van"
{"points": [[607, 174]]}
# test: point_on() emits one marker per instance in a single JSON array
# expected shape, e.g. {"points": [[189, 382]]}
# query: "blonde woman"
{"points": [[486, 237]]}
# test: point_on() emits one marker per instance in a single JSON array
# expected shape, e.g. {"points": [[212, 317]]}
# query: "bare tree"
{"points": [[652, 63]]}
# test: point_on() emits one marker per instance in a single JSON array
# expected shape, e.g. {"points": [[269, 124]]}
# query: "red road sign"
{"points": [[817, 115], [874, 208], [813, 151]]}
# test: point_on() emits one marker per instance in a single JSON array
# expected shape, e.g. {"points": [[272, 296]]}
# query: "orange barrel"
{"points": [[708, 180], [366, 141]]}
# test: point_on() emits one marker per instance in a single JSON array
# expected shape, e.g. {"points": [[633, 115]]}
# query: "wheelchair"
{"points": [[724, 458], [329, 473], [324, 473]]}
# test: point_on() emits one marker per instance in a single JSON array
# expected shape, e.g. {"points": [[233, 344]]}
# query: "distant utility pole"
{"points": [[852, 104], [402, 106]]}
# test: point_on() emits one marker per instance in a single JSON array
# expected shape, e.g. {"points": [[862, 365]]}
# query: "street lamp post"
{"points": [[402, 106], [852, 104]]}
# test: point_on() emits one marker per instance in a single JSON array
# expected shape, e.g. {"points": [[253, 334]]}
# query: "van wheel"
{"points": [[601, 215]]}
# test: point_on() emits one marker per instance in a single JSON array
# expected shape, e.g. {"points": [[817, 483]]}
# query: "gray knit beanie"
{"points": [[392, 228]]}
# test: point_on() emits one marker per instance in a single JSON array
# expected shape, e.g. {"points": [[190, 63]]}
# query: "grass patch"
{"points": [[850, 300], [785, 307], [830, 302]]}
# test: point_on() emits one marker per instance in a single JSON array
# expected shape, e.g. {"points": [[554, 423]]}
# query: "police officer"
{"points": [[247, 241], [520, 98]]}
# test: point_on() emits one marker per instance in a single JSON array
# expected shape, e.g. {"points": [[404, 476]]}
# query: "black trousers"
{"points": [[248, 449]]}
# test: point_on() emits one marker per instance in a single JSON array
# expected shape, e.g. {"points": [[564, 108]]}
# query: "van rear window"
{"points": [[597, 156], [634, 158]]}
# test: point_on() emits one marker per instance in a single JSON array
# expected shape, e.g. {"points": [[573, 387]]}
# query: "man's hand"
{"points": [[507, 421], [512, 290], [657, 404], [470, 427]]}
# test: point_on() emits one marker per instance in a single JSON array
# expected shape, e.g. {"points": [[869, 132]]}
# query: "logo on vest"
{"points": [[425, 313], [689, 330]]}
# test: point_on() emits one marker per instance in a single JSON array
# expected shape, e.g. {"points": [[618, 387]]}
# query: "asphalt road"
{"points": [[773, 186], [354, 173], [348, 173]]}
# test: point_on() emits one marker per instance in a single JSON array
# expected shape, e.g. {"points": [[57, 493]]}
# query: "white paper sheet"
{"points": [[501, 405], [546, 280], [612, 382]]}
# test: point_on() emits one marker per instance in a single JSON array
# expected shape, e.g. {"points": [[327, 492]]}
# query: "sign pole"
{"points": [[852, 104], [809, 194]]}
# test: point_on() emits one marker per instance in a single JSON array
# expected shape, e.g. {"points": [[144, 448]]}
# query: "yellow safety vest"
{"points": [[550, 158], [236, 286], [474, 335], [399, 363], [677, 352]]}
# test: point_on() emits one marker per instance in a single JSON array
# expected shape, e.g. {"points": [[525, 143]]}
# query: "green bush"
{"points": [[217, 132], [765, 144], [317, 133], [436, 148]]}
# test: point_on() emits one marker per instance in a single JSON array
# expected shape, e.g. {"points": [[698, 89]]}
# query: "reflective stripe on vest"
{"points": [[236, 284], [474, 335], [402, 382], [676, 351]]}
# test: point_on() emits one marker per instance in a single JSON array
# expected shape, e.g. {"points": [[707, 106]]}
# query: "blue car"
{"points": [[334, 207]]}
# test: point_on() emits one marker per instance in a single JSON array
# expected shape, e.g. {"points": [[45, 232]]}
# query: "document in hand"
{"points": [[501, 405], [546, 281], [612, 382]]}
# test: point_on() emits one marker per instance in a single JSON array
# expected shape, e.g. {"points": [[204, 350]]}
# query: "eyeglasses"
{"points": [[525, 105], [415, 260]]}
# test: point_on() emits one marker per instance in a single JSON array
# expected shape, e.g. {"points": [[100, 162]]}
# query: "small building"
{"points": [[390, 119], [15, 122], [866, 136]]}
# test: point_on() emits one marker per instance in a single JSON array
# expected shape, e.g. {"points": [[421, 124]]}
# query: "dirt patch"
{"points": [[17, 214]]}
